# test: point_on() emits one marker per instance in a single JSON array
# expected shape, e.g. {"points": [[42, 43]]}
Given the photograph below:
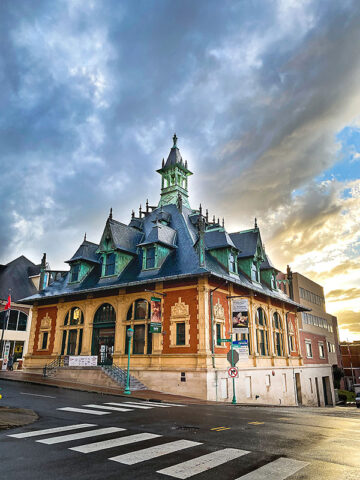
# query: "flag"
{"points": [[8, 304]]}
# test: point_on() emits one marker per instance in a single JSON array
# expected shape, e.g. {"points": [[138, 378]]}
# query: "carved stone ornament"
{"points": [[219, 312], [45, 322], [179, 310]]}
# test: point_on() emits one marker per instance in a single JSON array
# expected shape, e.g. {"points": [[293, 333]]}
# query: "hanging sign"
{"points": [[155, 321], [240, 315], [242, 348]]}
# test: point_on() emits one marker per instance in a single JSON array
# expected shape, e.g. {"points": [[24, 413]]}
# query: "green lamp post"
{"points": [[130, 333]]}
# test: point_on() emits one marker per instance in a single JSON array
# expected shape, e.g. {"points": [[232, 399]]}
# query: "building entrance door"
{"points": [[103, 345]]}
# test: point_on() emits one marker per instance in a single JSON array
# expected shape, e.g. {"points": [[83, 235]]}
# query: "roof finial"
{"points": [[132, 214], [186, 164], [218, 221], [85, 237], [140, 211], [255, 225], [207, 215], [175, 139], [147, 205], [200, 209], [223, 222], [214, 220], [163, 163], [110, 214]]}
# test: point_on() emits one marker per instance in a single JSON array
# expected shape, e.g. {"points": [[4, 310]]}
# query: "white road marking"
{"points": [[153, 452], [169, 404], [143, 407], [104, 407], [203, 463], [83, 410], [149, 404], [36, 395], [116, 442], [280, 469], [52, 430], [79, 435]]}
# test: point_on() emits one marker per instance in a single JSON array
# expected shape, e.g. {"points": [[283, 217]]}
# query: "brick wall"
{"points": [[315, 339], [42, 312]]}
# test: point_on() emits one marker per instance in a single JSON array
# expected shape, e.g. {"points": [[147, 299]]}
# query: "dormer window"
{"points": [[110, 264], [232, 263], [150, 257], [75, 270], [254, 272]]}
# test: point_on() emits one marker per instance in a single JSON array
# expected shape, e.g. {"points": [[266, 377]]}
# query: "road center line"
{"points": [[36, 395]]}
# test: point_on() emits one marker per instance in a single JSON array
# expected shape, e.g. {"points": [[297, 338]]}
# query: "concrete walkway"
{"points": [[152, 395]]}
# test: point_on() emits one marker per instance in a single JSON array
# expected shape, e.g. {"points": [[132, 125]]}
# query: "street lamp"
{"points": [[130, 333]]}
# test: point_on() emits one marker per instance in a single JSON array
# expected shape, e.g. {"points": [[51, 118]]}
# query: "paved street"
{"points": [[83, 435]]}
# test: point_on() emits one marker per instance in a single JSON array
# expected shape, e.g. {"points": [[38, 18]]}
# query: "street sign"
{"points": [[234, 358], [225, 340], [233, 372], [242, 348], [155, 327]]}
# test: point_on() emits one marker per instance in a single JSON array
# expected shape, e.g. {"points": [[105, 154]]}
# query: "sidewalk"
{"points": [[16, 417], [149, 395]]}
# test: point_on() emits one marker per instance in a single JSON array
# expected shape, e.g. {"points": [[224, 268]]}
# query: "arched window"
{"points": [[72, 332], [138, 318], [262, 332], [17, 320], [74, 317], [105, 314], [278, 335]]}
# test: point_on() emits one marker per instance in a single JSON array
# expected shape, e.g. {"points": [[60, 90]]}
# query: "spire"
{"points": [[110, 214], [174, 174]]}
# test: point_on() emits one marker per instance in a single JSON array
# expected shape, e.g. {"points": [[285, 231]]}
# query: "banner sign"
{"points": [[155, 321], [240, 315], [80, 360], [6, 355], [242, 348]]}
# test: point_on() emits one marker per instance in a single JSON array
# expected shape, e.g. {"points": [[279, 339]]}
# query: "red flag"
{"points": [[8, 305]]}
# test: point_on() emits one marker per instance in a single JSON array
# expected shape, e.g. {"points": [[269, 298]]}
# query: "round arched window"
{"points": [[74, 317], [139, 310], [105, 314]]}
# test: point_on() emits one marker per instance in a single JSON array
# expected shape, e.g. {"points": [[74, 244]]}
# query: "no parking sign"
{"points": [[233, 372]]}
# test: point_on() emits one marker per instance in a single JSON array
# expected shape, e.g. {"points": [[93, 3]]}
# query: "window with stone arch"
{"points": [[105, 314], [72, 332], [278, 335], [138, 318], [291, 334], [262, 338]]}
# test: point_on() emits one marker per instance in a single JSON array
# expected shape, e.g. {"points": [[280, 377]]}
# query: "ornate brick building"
{"points": [[190, 262]]}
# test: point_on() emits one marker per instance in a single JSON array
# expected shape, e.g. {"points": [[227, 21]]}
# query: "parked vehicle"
{"points": [[357, 399]]}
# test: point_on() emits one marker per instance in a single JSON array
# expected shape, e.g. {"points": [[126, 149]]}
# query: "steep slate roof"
{"points": [[218, 239], [125, 237], [174, 158], [246, 242], [161, 234], [182, 261], [87, 252], [267, 265], [15, 275]]}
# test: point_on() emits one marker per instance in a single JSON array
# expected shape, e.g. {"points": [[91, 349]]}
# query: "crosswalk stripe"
{"points": [[143, 407], [116, 442], [52, 430], [80, 435], [83, 410], [153, 452], [201, 464], [280, 469], [169, 404], [150, 404], [105, 407]]}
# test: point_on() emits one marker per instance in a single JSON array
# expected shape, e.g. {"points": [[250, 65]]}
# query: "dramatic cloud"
{"points": [[258, 92]]}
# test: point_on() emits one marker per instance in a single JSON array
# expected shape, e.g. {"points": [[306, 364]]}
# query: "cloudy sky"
{"points": [[263, 95]]}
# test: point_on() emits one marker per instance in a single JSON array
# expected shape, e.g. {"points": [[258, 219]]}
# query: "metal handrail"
{"points": [[52, 366]]}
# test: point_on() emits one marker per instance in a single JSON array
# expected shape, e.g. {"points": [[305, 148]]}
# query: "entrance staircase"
{"points": [[119, 375]]}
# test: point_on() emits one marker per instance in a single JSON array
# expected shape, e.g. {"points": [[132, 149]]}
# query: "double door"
{"points": [[103, 345]]}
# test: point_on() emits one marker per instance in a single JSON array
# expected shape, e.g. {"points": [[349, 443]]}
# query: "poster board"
{"points": [[240, 315]]}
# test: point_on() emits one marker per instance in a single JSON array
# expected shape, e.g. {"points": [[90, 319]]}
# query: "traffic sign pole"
{"points": [[232, 364]]}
